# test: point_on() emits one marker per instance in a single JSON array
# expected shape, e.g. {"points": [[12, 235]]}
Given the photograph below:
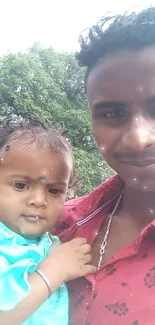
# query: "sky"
{"points": [[55, 23]]}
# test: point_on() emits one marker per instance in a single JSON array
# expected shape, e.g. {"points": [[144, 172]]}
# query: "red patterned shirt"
{"points": [[122, 292]]}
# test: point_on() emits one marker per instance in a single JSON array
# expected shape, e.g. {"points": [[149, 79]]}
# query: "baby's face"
{"points": [[33, 188]]}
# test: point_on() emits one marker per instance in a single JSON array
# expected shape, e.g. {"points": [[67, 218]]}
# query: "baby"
{"points": [[36, 169]]}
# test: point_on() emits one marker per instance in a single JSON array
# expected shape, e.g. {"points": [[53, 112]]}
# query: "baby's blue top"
{"points": [[19, 257]]}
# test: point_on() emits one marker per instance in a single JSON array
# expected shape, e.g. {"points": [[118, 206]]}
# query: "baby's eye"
{"points": [[54, 191], [20, 186]]}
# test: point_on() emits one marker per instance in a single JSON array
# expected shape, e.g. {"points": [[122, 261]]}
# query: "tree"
{"points": [[51, 85]]}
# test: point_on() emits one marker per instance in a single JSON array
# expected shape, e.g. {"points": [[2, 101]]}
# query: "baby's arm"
{"points": [[66, 262], [37, 296]]}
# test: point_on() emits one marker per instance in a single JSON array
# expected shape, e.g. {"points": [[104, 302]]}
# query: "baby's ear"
{"points": [[74, 185]]}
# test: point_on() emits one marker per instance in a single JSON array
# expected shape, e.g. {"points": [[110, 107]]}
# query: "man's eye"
{"points": [[110, 115], [20, 186], [54, 191], [115, 114]]}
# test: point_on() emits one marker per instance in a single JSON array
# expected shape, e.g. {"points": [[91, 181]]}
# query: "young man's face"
{"points": [[121, 95]]}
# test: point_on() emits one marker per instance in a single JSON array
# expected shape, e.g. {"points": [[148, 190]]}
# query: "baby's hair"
{"points": [[30, 129]]}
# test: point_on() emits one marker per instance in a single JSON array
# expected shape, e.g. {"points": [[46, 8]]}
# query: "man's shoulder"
{"points": [[95, 198]]}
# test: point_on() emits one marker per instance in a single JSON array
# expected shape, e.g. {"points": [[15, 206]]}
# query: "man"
{"points": [[117, 218]]}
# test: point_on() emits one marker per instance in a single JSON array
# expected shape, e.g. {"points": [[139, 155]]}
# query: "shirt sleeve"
{"points": [[19, 257]]}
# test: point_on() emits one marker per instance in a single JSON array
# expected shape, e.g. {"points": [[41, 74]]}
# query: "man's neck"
{"points": [[138, 206]]}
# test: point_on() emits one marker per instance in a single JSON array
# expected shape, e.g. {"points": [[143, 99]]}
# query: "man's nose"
{"points": [[139, 134]]}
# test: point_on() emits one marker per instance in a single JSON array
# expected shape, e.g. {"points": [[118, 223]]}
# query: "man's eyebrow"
{"points": [[109, 104]]}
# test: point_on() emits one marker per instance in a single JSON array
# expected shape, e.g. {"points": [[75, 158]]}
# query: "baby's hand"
{"points": [[69, 261], [73, 258]]}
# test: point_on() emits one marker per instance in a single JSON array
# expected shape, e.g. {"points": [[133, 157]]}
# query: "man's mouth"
{"points": [[138, 162]]}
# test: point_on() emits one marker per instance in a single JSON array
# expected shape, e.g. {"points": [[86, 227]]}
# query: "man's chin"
{"points": [[142, 184], [140, 178]]}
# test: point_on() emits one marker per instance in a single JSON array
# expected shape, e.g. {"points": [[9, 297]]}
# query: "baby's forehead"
{"points": [[40, 164]]}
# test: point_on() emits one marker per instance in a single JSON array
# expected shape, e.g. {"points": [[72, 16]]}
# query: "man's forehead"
{"points": [[143, 58], [134, 69]]}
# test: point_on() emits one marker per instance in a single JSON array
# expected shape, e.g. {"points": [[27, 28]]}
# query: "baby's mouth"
{"points": [[33, 218]]}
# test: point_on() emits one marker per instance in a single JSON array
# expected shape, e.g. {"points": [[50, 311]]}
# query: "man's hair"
{"points": [[131, 31]]}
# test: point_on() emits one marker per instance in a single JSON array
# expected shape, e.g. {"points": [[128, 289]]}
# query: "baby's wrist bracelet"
{"points": [[44, 277]]}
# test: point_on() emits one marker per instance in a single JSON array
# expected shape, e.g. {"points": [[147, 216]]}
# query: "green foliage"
{"points": [[51, 84], [92, 168]]}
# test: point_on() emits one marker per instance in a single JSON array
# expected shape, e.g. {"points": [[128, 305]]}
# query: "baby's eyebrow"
{"points": [[26, 177], [44, 180], [41, 179]]}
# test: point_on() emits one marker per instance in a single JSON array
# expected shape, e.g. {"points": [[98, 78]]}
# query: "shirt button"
{"points": [[87, 306]]}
